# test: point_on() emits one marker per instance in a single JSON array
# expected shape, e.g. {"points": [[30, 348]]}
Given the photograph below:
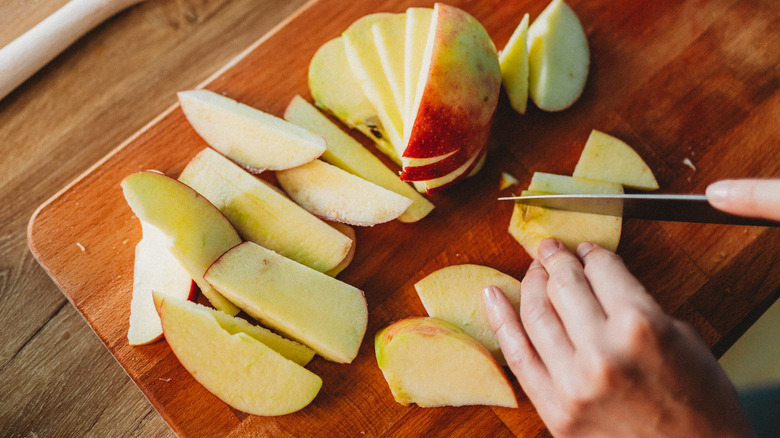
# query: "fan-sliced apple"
{"points": [[454, 294], [255, 208], [197, 231], [308, 306], [558, 57], [514, 67], [347, 153], [607, 158], [155, 269], [234, 366], [335, 88], [389, 35], [250, 137], [431, 362], [467, 169], [337, 195], [457, 90]]}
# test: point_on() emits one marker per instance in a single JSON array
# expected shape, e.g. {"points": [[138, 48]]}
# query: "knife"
{"points": [[677, 208]]}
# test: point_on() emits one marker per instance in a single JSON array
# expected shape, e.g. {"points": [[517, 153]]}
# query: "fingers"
{"points": [[612, 284], [747, 197]]}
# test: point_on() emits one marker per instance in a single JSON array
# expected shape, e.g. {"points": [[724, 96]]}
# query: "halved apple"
{"points": [[335, 89], [431, 362], [308, 306], [514, 67], [347, 153], [155, 269], [337, 195], [250, 137], [454, 294], [457, 90], [234, 366], [607, 158], [262, 214], [197, 231], [558, 57]]}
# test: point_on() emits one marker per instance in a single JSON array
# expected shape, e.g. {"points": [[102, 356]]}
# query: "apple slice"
{"points": [[262, 214], [234, 366], [348, 154], [507, 180], [454, 294], [367, 67], [607, 158], [558, 57], [418, 24], [334, 194], [306, 305], [467, 169], [349, 232], [196, 230], [529, 225], [431, 362], [457, 90], [513, 60], [156, 269], [562, 184], [250, 137], [335, 88], [389, 35]]}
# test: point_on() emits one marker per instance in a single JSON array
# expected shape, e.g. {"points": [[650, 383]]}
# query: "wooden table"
{"points": [[56, 379]]}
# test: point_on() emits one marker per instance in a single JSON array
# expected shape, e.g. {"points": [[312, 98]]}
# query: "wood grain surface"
{"points": [[693, 80]]}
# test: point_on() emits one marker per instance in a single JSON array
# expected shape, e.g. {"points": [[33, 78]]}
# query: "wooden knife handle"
{"points": [[24, 56]]}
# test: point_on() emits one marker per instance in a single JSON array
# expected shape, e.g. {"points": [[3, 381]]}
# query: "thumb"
{"points": [[747, 197]]}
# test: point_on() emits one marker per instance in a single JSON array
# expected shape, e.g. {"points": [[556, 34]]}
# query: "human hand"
{"points": [[597, 356], [747, 197]]}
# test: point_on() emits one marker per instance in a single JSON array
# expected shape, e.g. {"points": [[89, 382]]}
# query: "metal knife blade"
{"points": [[677, 208]]}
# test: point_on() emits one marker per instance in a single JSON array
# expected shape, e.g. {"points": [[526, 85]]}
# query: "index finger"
{"points": [[747, 197]]}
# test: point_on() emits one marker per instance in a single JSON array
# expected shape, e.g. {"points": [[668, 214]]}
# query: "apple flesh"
{"points": [[335, 89], [197, 232], [513, 60], [234, 366], [254, 207], [155, 269], [310, 307], [558, 57], [454, 294], [250, 137], [607, 158], [431, 362], [418, 24], [350, 233], [334, 194], [348, 154], [388, 34]]}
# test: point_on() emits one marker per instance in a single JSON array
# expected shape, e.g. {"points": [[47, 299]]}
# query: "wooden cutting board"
{"points": [[693, 86]]}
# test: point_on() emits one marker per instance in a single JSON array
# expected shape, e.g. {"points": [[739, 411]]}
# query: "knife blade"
{"points": [[676, 208]]}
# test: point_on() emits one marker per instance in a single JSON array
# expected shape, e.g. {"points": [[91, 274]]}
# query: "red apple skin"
{"points": [[467, 173], [461, 90]]}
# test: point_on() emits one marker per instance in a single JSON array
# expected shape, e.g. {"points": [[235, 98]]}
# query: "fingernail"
{"points": [[718, 192], [548, 247], [489, 295], [584, 248]]}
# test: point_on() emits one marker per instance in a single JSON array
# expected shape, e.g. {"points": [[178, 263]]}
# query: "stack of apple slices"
{"points": [[423, 84], [605, 166]]}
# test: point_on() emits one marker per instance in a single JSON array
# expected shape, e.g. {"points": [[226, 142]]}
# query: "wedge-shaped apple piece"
{"points": [[337, 195], [367, 67], [431, 362], [389, 35], [607, 158], [262, 214], [513, 60], [418, 25], [454, 294], [198, 232], [347, 153], [234, 366], [349, 232], [155, 269], [310, 307], [250, 137], [335, 89], [558, 57], [457, 90], [529, 225]]}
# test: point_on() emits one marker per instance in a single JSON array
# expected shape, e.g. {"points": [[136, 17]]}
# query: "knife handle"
{"points": [[24, 56]]}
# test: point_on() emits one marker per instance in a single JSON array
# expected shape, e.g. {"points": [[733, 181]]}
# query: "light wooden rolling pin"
{"points": [[24, 56]]}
